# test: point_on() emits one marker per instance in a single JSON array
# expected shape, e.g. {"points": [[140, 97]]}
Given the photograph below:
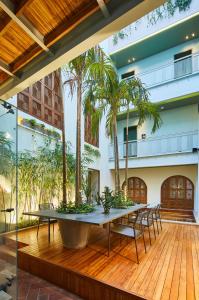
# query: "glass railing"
{"points": [[180, 68], [170, 144], [8, 201]]}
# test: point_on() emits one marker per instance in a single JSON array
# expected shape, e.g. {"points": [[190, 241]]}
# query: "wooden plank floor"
{"points": [[169, 270]]}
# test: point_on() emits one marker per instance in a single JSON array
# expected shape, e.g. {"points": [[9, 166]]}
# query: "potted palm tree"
{"points": [[81, 74]]}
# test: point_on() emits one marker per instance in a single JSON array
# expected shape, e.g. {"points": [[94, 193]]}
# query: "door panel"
{"points": [[177, 192], [137, 190]]}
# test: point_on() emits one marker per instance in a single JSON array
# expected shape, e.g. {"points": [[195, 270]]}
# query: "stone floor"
{"points": [[33, 288]]}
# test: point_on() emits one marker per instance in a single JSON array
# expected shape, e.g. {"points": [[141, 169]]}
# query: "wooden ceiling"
{"points": [[39, 36], [29, 27]]}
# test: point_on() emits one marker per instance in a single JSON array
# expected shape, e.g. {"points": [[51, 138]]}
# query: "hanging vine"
{"points": [[167, 10]]}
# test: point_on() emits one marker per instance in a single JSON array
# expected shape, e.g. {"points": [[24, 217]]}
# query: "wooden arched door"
{"points": [[177, 192], [137, 190]]}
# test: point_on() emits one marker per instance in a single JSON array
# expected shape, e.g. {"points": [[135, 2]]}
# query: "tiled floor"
{"points": [[34, 288]]}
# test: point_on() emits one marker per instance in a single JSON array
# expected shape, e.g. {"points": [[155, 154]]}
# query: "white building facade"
{"points": [[163, 167]]}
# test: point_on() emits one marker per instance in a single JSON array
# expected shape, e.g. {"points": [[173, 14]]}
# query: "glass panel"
{"points": [[181, 194], [8, 198], [173, 183], [180, 182], [189, 195], [132, 133], [172, 194], [188, 185]]}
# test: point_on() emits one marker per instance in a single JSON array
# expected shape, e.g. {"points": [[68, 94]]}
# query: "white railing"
{"points": [[170, 144], [178, 69]]}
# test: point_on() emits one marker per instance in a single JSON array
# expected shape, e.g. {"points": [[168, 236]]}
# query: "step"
{"points": [[8, 254], [5, 296]]}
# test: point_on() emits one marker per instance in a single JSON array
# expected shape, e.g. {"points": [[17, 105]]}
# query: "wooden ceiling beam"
{"points": [[23, 22], [6, 68], [103, 8]]}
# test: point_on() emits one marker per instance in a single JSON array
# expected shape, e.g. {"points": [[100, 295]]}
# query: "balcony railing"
{"points": [[180, 68], [170, 144]]}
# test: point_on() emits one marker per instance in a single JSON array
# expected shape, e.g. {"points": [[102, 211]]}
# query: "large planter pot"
{"points": [[74, 234]]}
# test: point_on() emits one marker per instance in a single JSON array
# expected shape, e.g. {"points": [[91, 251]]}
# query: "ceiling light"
{"points": [[133, 58], [129, 60], [187, 37], [193, 34]]}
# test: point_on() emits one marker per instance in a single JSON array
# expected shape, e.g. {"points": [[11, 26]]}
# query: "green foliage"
{"points": [[120, 201], [98, 198], [71, 208], [120, 35], [168, 9], [107, 199], [7, 157], [33, 123]]}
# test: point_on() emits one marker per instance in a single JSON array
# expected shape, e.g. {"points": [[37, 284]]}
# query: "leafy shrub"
{"points": [[120, 201], [71, 208]]}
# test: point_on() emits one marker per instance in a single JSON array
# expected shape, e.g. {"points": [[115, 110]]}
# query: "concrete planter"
{"points": [[74, 234]]}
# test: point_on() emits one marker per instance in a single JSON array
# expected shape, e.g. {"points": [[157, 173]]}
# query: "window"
{"points": [[182, 63], [128, 75], [132, 139], [132, 133]]}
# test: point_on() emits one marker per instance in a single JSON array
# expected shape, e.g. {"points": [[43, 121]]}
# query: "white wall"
{"points": [[160, 59], [162, 63], [100, 163], [178, 120]]}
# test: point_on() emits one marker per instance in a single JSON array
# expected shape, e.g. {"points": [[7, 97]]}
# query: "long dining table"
{"points": [[95, 218]]}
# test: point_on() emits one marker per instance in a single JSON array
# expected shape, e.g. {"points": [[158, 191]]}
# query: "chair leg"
{"points": [[154, 230], [149, 234], [38, 228], [157, 226], [160, 223], [136, 252], [144, 242]]}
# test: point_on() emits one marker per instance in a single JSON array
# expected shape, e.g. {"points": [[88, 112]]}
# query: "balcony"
{"points": [[181, 68], [165, 145]]}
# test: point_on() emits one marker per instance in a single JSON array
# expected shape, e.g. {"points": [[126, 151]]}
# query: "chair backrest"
{"points": [[44, 206], [138, 224], [158, 210], [151, 211]]}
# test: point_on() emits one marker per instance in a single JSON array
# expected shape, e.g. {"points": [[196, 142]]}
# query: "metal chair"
{"points": [[147, 222], [157, 217], [46, 206], [135, 231]]}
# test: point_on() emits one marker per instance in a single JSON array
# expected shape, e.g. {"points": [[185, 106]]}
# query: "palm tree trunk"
{"points": [[116, 153], [78, 183], [64, 150], [127, 152]]}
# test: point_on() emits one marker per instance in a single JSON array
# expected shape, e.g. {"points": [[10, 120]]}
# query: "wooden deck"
{"points": [[169, 270]]}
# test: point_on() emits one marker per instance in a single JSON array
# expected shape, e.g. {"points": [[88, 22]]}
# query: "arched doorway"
{"points": [[177, 192], [137, 189]]}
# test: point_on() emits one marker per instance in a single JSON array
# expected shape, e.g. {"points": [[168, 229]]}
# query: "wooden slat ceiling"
{"points": [[48, 21]]}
